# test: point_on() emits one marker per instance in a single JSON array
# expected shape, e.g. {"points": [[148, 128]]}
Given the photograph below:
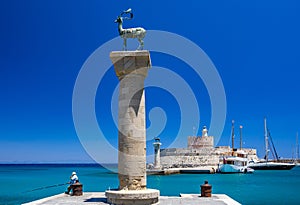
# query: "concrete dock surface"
{"points": [[92, 198]]}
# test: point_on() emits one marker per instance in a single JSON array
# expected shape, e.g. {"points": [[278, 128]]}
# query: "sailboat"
{"points": [[238, 161], [266, 164]]}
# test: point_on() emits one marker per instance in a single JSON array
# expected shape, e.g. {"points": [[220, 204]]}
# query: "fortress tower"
{"points": [[203, 141]]}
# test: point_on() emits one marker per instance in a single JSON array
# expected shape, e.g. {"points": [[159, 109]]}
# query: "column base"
{"points": [[130, 197]]}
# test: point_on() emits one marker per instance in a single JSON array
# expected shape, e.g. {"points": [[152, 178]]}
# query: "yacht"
{"points": [[265, 164]]}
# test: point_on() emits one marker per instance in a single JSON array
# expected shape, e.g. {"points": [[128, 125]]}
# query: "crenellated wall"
{"points": [[200, 142], [185, 157]]}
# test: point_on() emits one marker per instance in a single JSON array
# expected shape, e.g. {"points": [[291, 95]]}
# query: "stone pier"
{"points": [[131, 68]]}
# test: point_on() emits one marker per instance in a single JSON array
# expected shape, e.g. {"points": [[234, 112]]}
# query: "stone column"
{"points": [[157, 145], [131, 68]]}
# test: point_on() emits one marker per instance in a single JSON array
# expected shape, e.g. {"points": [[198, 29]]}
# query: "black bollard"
{"points": [[206, 189], [77, 189]]}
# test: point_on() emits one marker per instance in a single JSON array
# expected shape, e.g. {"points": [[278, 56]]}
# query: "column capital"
{"points": [[131, 62]]}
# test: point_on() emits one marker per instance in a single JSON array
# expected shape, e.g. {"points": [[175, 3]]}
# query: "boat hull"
{"points": [[231, 169], [271, 166]]}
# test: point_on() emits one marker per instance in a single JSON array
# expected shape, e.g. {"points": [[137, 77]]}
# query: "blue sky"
{"points": [[254, 46]]}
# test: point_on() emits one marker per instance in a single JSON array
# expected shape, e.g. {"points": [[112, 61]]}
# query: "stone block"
{"points": [[142, 197], [131, 62]]}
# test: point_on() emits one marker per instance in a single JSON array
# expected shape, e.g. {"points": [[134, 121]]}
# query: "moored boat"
{"points": [[270, 165], [234, 164], [237, 162], [261, 165]]}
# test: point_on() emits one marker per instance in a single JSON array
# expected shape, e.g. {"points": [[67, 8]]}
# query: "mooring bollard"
{"points": [[77, 189], [206, 189]]}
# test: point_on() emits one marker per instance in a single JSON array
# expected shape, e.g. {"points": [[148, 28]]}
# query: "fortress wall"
{"points": [[180, 157], [183, 157], [251, 154], [189, 161], [200, 152], [226, 150], [185, 152], [200, 142], [250, 151]]}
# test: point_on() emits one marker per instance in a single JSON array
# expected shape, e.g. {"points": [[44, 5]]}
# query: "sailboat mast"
{"points": [[241, 138], [266, 139], [297, 148], [232, 134]]}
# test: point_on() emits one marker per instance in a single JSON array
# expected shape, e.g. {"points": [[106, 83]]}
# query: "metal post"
{"points": [[241, 138], [266, 139], [297, 148], [232, 134]]}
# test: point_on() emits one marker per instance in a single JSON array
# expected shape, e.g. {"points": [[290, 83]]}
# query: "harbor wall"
{"points": [[185, 157]]}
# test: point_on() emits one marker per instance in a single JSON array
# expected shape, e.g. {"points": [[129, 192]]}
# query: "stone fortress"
{"points": [[200, 152]]}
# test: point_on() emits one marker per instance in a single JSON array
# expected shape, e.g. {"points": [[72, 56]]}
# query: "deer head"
{"points": [[119, 20]]}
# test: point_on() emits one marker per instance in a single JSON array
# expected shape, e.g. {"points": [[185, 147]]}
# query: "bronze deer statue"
{"points": [[137, 32]]}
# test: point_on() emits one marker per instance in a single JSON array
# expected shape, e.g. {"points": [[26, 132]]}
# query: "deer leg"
{"points": [[141, 44], [124, 44]]}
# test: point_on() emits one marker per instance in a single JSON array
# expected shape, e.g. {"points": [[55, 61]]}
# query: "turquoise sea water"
{"points": [[262, 187]]}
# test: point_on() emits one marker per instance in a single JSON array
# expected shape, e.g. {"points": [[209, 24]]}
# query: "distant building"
{"points": [[201, 141], [200, 151]]}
